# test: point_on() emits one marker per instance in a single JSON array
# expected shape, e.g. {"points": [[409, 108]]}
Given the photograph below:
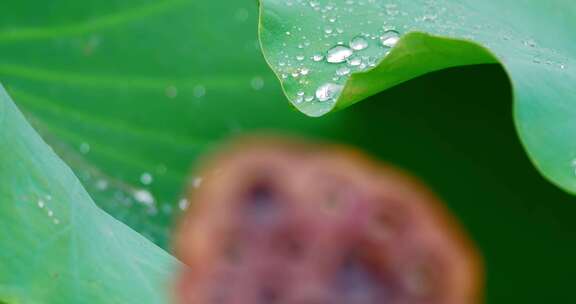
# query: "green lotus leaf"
{"points": [[57, 245], [330, 54]]}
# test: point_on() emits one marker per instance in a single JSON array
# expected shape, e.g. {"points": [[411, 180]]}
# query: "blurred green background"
{"points": [[131, 92]]}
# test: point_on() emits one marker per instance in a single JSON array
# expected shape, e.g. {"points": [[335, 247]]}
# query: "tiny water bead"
{"points": [[317, 57], [257, 83], [183, 204], [338, 54], [144, 197], [146, 178], [358, 43], [328, 91], [199, 91], [390, 38], [84, 148], [171, 91]]}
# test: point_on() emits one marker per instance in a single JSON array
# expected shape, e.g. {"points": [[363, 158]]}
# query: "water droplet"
{"points": [[196, 182], [84, 148], [355, 61], [299, 57], [146, 178], [343, 71], [199, 91], [358, 43], [56, 221], [328, 31], [102, 184], [50, 213], [183, 204], [143, 196], [390, 38], [257, 83], [317, 57], [338, 54], [171, 91], [328, 91], [41, 203]]}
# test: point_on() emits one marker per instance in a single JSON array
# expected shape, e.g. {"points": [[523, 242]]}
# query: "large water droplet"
{"points": [[328, 91], [358, 43], [338, 54], [390, 38]]}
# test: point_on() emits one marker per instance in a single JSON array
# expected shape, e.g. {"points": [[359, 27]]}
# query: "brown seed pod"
{"points": [[285, 222]]}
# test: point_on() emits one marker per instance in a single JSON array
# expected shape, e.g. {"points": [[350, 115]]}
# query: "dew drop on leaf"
{"points": [[144, 197], [317, 57], [146, 178], [338, 54], [328, 91], [257, 83], [358, 43], [343, 71], [355, 61], [84, 148], [199, 91], [390, 38], [171, 91], [183, 204]]}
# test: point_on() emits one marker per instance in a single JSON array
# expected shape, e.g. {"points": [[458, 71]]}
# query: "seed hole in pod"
{"points": [[358, 280], [288, 245], [262, 203], [268, 295], [389, 222]]}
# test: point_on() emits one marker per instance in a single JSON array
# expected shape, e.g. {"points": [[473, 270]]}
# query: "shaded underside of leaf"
{"points": [[57, 246], [435, 35]]}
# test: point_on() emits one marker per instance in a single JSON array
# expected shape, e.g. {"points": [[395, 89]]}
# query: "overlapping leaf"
{"points": [[314, 46], [57, 246]]}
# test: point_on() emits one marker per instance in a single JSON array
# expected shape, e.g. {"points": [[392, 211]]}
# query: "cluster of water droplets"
{"points": [[45, 203], [332, 47], [350, 36]]}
